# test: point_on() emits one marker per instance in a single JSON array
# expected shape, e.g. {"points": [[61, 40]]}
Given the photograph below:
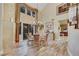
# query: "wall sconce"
{"points": [[11, 20]]}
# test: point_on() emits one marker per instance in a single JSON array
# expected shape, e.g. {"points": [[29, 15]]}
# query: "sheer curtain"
{"points": [[72, 14]]}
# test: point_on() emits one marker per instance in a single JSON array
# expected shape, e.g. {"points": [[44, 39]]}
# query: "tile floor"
{"points": [[25, 50]]}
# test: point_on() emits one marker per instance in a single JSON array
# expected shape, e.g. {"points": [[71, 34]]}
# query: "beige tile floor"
{"points": [[25, 50]]}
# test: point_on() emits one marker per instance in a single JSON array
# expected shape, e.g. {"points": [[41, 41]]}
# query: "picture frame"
{"points": [[62, 8]]}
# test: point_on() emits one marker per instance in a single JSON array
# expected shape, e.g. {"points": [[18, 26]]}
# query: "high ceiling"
{"points": [[39, 6]]}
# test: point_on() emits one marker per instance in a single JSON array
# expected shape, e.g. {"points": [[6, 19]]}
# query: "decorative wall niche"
{"points": [[63, 27]]}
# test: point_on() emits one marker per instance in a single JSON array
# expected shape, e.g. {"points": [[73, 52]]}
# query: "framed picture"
{"points": [[62, 8]]}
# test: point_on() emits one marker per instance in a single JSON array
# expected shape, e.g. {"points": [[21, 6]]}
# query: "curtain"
{"points": [[72, 15]]}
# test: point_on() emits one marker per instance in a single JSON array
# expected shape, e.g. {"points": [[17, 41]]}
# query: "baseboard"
{"points": [[1, 52], [70, 54]]}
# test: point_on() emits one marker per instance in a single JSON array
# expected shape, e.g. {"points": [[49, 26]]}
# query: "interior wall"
{"points": [[24, 18], [49, 13], [8, 26], [73, 42], [1, 48], [73, 34]]}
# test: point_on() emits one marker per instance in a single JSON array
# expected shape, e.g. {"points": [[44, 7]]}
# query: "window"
{"points": [[28, 12], [33, 13], [22, 9]]}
